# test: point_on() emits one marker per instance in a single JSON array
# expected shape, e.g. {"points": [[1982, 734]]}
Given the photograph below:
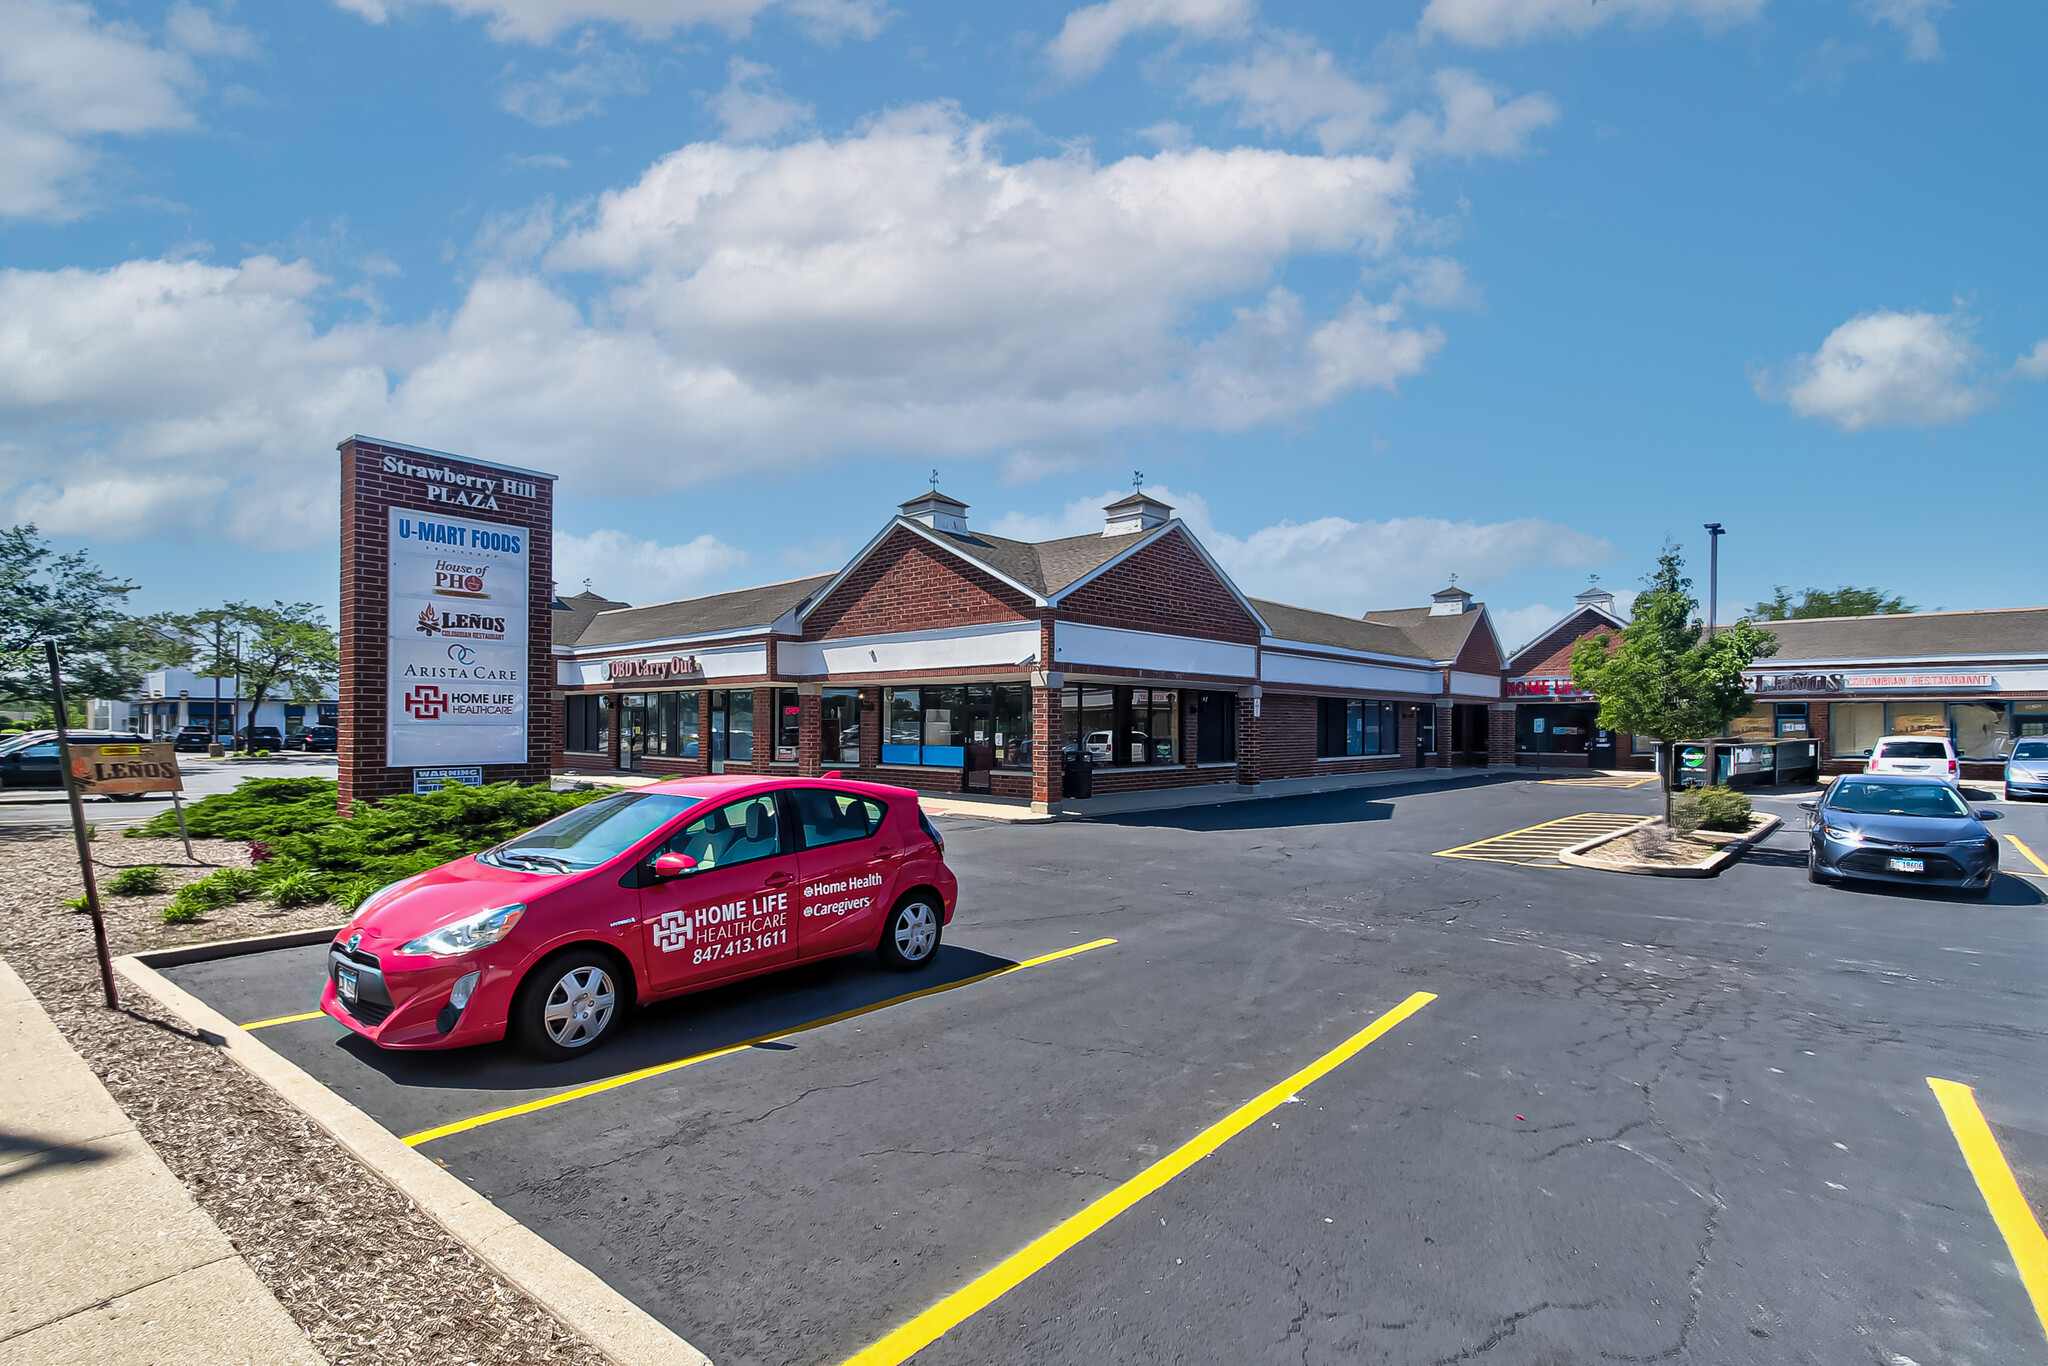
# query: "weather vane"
{"points": [[935, 479], [1138, 480], [1454, 578]]}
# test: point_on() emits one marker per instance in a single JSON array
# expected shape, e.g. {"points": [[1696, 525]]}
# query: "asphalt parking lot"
{"points": [[1642, 1119]]}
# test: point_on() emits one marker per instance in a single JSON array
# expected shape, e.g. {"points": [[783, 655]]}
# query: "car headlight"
{"points": [[1842, 833], [469, 934]]}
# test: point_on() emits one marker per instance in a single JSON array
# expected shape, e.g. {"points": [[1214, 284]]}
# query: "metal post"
{"points": [[92, 891], [1714, 535], [178, 805], [235, 707]]}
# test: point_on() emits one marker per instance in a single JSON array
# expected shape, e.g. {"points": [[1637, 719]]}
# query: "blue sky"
{"points": [[1374, 293]]}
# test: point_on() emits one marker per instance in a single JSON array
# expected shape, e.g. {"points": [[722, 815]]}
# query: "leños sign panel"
{"points": [[458, 641]]}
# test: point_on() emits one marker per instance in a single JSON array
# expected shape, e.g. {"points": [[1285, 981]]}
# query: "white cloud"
{"points": [[1292, 86], [571, 93], [657, 572], [68, 80], [1494, 23], [902, 291], [1915, 19], [1091, 35], [752, 108], [1338, 565], [2033, 365], [1885, 369], [538, 21]]}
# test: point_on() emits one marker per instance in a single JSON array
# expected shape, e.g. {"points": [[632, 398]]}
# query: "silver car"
{"points": [[2026, 770]]}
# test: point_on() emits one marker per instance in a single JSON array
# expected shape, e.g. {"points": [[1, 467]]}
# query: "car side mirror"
{"points": [[1812, 805], [1990, 815], [674, 865]]}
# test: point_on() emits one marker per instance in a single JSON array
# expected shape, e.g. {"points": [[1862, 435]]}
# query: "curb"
{"points": [[233, 948], [625, 1333], [1575, 855]]}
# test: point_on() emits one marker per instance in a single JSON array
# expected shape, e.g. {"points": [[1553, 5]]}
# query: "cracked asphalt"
{"points": [[1646, 1119]]}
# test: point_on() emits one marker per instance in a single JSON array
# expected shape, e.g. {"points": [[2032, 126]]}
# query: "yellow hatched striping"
{"points": [[1538, 846], [1599, 782]]}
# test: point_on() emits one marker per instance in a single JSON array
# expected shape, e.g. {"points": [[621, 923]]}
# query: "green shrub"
{"points": [[137, 881], [259, 809], [212, 893], [75, 904], [1710, 808], [297, 888]]}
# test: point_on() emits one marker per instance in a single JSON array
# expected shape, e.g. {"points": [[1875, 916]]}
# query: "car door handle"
{"points": [[778, 879]]}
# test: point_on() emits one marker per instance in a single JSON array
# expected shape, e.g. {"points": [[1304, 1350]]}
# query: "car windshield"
{"points": [[15, 742], [1914, 749], [1933, 800], [2030, 749], [591, 834]]}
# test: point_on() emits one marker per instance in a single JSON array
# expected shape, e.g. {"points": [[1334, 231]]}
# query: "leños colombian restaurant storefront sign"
{"points": [[458, 641]]}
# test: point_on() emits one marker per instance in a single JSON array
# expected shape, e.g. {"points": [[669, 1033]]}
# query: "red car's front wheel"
{"points": [[569, 1004]]}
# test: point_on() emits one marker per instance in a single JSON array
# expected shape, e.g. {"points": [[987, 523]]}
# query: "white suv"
{"points": [[1930, 756]]}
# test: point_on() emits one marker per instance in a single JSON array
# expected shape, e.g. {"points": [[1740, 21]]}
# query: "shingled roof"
{"points": [[1346, 633], [710, 615], [1910, 636], [1438, 637], [1044, 567], [573, 614]]}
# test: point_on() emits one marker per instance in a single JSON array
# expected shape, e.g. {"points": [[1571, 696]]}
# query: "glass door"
{"points": [[633, 709], [979, 730]]}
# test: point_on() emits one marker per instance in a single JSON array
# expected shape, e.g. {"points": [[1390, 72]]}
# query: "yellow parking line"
{"points": [[2032, 857], [286, 1019], [659, 1069], [1006, 1275], [1540, 841], [2023, 1236]]}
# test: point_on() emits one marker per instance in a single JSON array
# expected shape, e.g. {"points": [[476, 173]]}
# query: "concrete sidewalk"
{"points": [[105, 1259]]}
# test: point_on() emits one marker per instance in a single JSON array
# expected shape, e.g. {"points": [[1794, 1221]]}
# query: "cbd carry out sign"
{"points": [[457, 631]]}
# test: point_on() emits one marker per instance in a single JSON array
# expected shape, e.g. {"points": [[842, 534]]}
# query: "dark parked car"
{"points": [[1901, 828], [254, 738], [31, 760], [192, 739], [313, 739]]}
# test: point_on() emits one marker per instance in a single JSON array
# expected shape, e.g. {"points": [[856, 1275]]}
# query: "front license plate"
{"points": [[1906, 865], [345, 979]]}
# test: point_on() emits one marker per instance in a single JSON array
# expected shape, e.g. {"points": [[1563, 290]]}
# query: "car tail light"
{"points": [[1952, 766], [932, 832]]}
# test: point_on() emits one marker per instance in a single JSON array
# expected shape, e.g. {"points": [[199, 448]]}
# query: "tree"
{"points": [[286, 648], [68, 599], [1664, 676], [1820, 602]]}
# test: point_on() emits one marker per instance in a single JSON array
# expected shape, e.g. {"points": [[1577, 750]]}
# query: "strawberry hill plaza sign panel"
{"points": [[458, 641]]}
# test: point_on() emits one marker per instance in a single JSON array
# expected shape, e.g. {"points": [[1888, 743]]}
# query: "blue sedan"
{"points": [[1900, 828]]}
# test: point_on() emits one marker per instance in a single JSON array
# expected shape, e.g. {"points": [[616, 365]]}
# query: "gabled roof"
{"points": [[1439, 637], [1909, 636], [573, 614], [1287, 622], [1596, 619], [717, 614], [1045, 567]]}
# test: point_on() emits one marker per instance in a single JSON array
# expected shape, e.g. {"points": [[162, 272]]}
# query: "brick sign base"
{"points": [[377, 476]]}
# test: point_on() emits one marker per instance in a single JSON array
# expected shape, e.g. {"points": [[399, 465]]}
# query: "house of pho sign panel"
{"points": [[458, 625]]}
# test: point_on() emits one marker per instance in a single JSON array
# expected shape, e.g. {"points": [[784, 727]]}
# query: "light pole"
{"points": [[235, 707], [1714, 535]]}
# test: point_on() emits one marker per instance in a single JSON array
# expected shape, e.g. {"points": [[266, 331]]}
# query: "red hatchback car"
{"points": [[635, 897]]}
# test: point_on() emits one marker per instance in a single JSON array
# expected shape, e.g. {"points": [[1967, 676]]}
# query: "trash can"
{"points": [[1078, 778]]}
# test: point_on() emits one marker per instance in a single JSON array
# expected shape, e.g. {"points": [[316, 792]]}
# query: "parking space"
{"points": [[1641, 1118]]}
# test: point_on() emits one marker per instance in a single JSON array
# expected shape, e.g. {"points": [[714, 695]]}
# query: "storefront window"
{"points": [[903, 726], [975, 726], [1216, 728], [732, 726], [1915, 718], [945, 727], [788, 715], [586, 723], [1348, 726], [1010, 725], [2029, 719], [1792, 720], [683, 729], [1126, 726], [1854, 728], [839, 725], [1981, 729], [1091, 721]]}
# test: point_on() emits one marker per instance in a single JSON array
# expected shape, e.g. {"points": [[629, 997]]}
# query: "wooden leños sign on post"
{"points": [[117, 770]]}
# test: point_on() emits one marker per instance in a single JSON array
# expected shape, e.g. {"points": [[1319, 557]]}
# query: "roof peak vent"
{"points": [[937, 511], [1450, 602], [1133, 513], [1597, 598]]}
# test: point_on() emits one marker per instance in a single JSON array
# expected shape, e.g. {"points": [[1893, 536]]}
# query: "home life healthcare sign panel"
{"points": [[458, 629]]}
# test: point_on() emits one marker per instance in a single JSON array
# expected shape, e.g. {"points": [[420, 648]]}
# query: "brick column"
{"points": [[1405, 728], [810, 740], [1047, 730], [611, 734], [1445, 715], [870, 728], [1248, 748], [1500, 733]]}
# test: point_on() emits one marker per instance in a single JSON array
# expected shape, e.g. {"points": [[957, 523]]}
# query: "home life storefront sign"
{"points": [[1766, 684], [1545, 687], [457, 635]]}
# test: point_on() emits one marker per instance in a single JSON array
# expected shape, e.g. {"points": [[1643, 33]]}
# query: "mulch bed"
{"points": [[368, 1276], [1660, 845]]}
